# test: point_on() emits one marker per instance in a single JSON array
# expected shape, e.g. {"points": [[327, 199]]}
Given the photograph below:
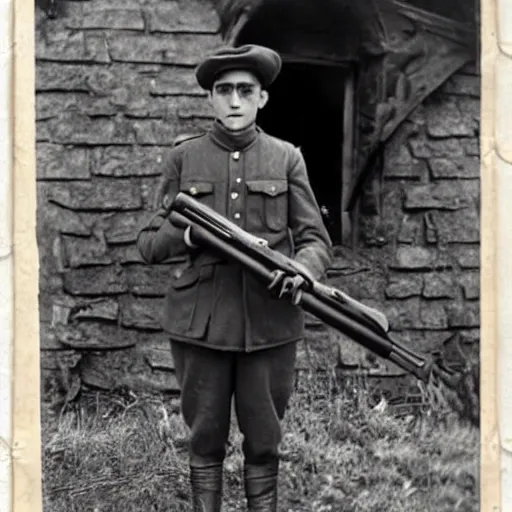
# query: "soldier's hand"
{"points": [[290, 286]]}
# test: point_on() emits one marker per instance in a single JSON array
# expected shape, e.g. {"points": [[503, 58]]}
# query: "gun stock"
{"points": [[366, 326]]}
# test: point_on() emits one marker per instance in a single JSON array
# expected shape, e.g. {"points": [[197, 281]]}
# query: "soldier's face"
{"points": [[236, 97]]}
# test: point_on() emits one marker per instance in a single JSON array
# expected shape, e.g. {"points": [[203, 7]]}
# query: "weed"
{"points": [[122, 452]]}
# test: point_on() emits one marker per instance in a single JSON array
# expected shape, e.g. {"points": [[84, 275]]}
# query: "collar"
{"points": [[233, 141]]}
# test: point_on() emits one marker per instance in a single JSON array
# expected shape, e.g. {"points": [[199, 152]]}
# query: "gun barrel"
{"points": [[364, 335]]}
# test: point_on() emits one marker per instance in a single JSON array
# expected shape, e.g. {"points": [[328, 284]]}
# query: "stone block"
{"points": [[396, 150], [154, 132], [176, 80], [461, 226], [102, 81], [440, 196], [93, 281], [52, 218], [360, 285], [162, 133], [67, 310], [56, 162], [115, 19], [159, 359], [43, 131], [192, 107], [179, 49], [433, 315], [467, 256], [170, 108], [73, 47], [150, 107], [471, 190], [48, 343], [457, 352], [464, 315], [125, 368], [463, 168], [82, 252], [422, 147], [77, 128], [51, 104], [419, 258], [472, 147], [53, 76], [58, 360], [104, 194], [128, 161], [470, 110], [403, 314], [464, 85], [126, 254], [102, 309], [142, 313], [50, 261], [444, 119], [414, 170], [110, 83], [175, 17], [404, 287], [90, 336], [123, 228], [438, 286], [470, 336], [158, 342], [148, 281], [470, 283]]}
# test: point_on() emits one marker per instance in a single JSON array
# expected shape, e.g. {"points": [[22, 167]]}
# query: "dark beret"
{"points": [[263, 62]]}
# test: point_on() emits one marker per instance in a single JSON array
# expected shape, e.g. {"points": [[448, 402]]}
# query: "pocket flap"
{"points": [[190, 275], [197, 188], [269, 187]]}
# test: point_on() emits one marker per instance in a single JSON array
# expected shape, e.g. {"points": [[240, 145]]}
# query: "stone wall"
{"points": [[427, 244], [114, 87]]}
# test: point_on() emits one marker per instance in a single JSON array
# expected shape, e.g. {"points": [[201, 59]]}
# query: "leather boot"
{"points": [[206, 484], [261, 487]]}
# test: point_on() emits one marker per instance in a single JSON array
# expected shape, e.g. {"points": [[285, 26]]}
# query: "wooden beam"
{"points": [[348, 149], [446, 27]]}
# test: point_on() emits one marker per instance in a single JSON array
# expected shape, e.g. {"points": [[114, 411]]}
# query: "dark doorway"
{"points": [[306, 108]]}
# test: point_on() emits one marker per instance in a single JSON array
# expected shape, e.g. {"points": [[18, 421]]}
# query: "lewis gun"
{"points": [[364, 325]]}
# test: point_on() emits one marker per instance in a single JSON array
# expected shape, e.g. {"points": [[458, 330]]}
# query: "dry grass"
{"points": [[127, 453]]}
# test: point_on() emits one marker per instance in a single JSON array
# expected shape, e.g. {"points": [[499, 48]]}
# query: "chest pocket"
{"points": [[203, 191], [267, 204]]}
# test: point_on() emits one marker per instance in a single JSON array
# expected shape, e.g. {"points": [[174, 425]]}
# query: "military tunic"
{"points": [[260, 183]]}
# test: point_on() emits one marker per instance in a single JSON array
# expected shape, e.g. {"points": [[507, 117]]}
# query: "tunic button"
{"points": [[237, 215], [273, 188], [234, 195], [193, 190], [236, 155], [239, 180]]}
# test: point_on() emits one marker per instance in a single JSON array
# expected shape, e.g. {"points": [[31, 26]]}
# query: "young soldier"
{"points": [[230, 337]]}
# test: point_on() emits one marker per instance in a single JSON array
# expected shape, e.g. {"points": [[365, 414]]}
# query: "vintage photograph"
{"points": [[258, 225]]}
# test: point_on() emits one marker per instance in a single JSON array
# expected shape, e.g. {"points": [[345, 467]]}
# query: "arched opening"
{"points": [[306, 107]]}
